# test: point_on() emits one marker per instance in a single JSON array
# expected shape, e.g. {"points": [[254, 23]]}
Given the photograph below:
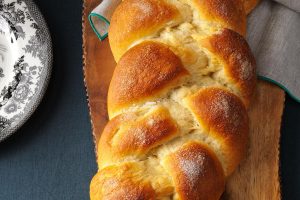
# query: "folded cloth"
{"points": [[273, 36], [99, 18], [274, 30], [292, 4]]}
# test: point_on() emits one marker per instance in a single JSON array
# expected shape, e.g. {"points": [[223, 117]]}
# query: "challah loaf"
{"points": [[177, 100]]}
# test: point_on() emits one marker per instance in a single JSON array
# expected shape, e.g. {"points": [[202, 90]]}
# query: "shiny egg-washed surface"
{"points": [[177, 101]]}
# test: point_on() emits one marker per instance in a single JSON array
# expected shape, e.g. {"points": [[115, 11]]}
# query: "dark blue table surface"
{"points": [[52, 155]]}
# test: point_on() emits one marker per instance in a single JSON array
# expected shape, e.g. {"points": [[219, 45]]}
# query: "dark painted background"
{"points": [[51, 156]]}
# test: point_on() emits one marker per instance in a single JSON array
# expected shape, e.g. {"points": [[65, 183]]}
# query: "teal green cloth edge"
{"points": [[101, 37], [281, 86]]}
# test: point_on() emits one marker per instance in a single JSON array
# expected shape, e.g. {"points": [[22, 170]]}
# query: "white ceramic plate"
{"points": [[25, 62]]}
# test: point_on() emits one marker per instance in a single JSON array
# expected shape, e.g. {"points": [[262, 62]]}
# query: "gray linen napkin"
{"points": [[292, 4], [274, 37]]}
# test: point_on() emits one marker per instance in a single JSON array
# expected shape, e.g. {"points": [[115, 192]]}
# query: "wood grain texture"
{"points": [[258, 175], [257, 178]]}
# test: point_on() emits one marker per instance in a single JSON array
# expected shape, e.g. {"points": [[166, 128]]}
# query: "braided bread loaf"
{"points": [[177, 100]]}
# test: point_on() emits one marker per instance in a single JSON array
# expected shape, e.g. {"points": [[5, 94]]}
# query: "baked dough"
{"points": [[177, 101]]}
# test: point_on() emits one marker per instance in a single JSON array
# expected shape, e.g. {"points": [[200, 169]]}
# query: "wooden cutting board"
{"points": [[257, 178]]}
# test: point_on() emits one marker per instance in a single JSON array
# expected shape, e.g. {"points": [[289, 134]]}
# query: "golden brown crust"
{"points": [[249, 5], [128, 135], [104, 151], [116, 183], [143, 73], [239, 63], [224, 117], [229, 14], [161, 114], [197, 173], [137, 19]]}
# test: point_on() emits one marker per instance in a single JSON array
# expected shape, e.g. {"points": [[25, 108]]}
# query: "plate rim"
{"points": [[45, 73]]}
